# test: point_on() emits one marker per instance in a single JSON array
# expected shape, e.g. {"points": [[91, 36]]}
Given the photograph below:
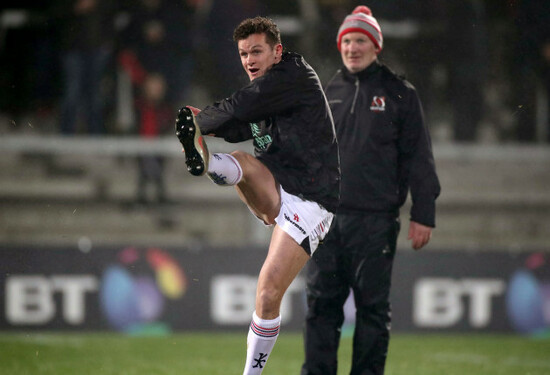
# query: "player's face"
{"points": [[357, 51], [257, 56]]}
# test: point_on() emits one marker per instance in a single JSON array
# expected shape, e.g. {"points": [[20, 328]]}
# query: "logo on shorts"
{"points": [[378, 104], [321, 230], [296, 217], [287, 218]]}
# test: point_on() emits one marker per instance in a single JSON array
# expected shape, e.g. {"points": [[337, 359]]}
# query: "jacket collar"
{"points": [[363, 74]]}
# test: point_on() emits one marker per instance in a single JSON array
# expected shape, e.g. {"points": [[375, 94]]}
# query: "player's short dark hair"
{"points": [[258, 25]]}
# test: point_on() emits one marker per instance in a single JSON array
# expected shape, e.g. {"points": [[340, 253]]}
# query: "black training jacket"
{"points": [[385, 148], [286, 113]]}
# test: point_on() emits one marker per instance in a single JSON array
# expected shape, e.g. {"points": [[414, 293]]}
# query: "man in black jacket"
{"points": [[385, 151], [293, 180]]}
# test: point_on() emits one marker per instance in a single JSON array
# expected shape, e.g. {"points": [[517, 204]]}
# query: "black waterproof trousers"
{"points": [[357, 254]]}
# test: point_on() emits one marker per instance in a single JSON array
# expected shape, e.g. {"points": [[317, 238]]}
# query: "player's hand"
{"points": [[419, 235], [195, 111]]}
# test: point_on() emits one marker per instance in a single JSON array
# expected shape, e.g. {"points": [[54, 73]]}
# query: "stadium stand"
{"points": [[56, 191]]}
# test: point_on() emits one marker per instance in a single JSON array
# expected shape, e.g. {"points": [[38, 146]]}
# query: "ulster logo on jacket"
{"points": [[378, 104]]}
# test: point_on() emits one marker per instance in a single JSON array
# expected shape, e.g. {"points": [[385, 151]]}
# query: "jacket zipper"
{"points": [[356, 94]]}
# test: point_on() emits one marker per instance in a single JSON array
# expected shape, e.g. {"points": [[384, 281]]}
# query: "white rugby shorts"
{"points": [[307, 222]]}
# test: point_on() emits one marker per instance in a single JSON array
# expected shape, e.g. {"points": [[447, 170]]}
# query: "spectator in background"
{"points": [[531, 68], [156, 53], [159, 39], [85, 32], [385, 151], [154, 117]]}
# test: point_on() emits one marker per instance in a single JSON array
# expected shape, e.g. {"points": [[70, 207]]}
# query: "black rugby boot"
{"points": [[194, 146]]}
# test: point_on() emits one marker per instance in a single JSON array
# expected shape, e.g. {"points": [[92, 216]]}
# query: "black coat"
{"points": [[286, 113], [385, 148]]}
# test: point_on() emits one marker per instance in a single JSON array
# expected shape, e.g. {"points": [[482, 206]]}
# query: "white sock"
{"points": [[262, 335], [224, 170]]}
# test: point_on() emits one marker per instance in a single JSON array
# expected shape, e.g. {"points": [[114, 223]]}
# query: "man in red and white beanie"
{"points": [[361, 20], [385, 153]]}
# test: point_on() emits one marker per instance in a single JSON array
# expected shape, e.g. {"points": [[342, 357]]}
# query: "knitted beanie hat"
{"points": [[362, 21]]}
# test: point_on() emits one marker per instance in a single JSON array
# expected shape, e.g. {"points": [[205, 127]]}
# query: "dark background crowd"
{"points": [[482, 68]]}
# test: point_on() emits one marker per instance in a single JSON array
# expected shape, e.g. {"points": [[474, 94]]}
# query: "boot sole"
{"points": [[189, 135]]}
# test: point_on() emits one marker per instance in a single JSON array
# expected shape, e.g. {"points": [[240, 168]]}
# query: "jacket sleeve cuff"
{"points": [[424, 213]]}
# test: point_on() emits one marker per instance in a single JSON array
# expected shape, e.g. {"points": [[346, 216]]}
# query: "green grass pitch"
{"points": [[223, 354]]}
